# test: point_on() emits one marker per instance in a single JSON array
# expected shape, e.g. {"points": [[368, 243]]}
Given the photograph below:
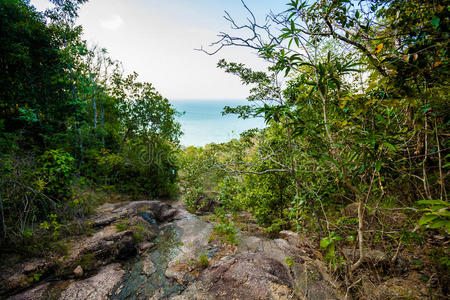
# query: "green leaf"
{"points": [[390, 146], [444, 213], [439, 224], [435, 21], [433, 202], [437, 208], [325, 242], [378, 165], [427, 219]]}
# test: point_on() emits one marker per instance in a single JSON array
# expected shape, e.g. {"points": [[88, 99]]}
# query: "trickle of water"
{"points": [[145, 274]]}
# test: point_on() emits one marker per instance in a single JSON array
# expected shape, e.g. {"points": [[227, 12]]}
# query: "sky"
{"points": [[157, 38]]}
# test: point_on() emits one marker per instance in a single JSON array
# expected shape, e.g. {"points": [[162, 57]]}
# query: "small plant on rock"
{"points": [[202, 261]]}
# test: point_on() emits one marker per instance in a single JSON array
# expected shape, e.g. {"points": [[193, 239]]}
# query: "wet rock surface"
{"points": [[106, 245], [164, 262]]}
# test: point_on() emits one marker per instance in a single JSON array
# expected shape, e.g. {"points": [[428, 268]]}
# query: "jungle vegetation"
{"points": [[356, 148], [355, 153], [73, 126]]}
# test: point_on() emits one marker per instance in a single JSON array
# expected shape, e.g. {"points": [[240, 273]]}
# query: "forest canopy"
{"points": [[70, 118]]}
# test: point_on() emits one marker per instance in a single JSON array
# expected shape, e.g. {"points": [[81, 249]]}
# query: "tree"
{"points": [[355, 74]]}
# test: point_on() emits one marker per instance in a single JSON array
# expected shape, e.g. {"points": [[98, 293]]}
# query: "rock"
{"points": [[259, 270], [103, 247], [158, 208], [97, 287], [399, 218], [15, 282], [38, 292], [78, 272], [168, 214], [35, 266], [372, 256], [279, 292], [194, 237], [148, 267], [193, 240], [399, 288], [178, 272], [144, 229], [162, 211], [292, 237], [245, 276], [100, 222], [19, 277], [392, 219], [145, 246]]}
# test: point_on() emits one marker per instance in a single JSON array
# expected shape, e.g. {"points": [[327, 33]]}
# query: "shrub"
{"points": [[57, 168], [202, 261], [227, 232]]}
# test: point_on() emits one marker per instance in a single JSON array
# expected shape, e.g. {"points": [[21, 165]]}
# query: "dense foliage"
{"points": [[357, 138], [70, 119], [355, 153]]}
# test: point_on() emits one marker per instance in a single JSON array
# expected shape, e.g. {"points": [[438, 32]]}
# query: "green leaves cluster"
{"points": [[436, 214]]}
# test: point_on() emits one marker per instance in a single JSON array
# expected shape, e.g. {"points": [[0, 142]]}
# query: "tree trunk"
{"points": [[102, 116], [123, 140], [94, 106]]}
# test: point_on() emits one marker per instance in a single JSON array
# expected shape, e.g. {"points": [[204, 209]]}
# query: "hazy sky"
{"points": [[156, 38]]}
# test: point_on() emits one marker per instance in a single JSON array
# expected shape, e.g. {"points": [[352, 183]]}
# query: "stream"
{"points": [[145, 274]]}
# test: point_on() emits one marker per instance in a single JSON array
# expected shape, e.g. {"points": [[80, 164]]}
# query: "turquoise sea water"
{"points": [[203, 122]]}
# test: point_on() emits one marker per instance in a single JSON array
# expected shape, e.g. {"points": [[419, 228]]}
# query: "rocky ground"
{"points": [[151, 250]]}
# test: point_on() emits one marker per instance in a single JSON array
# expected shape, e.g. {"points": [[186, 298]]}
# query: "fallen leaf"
{"points": [[436, 64]]}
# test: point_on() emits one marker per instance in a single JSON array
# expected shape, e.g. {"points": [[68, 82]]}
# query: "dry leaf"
{"points": [[379, 47]]}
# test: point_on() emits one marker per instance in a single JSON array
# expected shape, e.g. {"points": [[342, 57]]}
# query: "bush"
{"points": [[57, 169]]}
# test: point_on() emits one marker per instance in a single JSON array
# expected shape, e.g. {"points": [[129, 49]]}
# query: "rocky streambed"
{"points": [[151, 250]]}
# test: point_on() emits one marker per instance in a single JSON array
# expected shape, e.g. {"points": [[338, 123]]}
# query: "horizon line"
{"points": [[207, 99]]}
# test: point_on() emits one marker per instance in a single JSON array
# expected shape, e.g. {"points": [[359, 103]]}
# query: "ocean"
{"points": [[203, 123]]}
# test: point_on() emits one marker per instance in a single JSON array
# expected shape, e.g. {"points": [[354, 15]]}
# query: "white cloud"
{"points": [[112, 23], [41, 5]]}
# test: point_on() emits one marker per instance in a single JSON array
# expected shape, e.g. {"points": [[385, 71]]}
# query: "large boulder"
{"points": [[246, 276], [103, 247], [97, 287], [263, 269], [193, 240]]}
